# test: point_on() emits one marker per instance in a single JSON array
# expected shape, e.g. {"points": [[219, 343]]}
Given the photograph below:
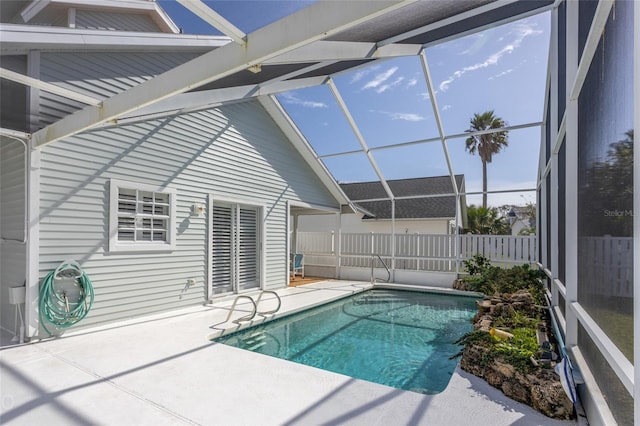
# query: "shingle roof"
{"points": [[418, 208]]}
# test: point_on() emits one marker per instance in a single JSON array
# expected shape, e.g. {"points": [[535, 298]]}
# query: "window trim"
{"points": [[139, 246]]}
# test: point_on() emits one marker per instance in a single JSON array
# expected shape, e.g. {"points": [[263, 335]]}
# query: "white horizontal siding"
{"points": [[100, 75], [100, 20], [236, 151]]}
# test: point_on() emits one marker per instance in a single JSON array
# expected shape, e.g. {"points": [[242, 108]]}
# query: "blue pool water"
{"points": [[397, 338]]}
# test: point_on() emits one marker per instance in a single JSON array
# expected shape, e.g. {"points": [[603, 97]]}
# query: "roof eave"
{"points": [[23, 38]]}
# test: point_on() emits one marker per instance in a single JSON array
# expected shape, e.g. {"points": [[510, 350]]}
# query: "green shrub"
{"points": [[519, 350], [516, 351], [477, 264], [489, 279]]}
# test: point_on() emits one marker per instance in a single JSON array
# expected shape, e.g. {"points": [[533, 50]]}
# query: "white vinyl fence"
{"points": [[417, 252], [607, 260]]}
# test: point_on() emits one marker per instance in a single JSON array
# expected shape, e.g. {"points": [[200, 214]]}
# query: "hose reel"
{"points": [[66, 296]]}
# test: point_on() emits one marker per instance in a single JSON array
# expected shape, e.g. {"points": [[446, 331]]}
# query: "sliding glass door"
{"points": [[235, 247]]}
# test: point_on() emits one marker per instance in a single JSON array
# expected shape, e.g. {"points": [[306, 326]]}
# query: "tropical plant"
{"points": [[488, 279], [486, 144], [529, 212], [486, 221]]}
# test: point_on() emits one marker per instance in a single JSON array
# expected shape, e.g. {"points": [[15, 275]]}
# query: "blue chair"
{"points": [[297, 265]]}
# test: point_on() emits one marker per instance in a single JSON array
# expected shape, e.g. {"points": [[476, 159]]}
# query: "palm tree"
{"points": [[486, 221], [486, 144]]}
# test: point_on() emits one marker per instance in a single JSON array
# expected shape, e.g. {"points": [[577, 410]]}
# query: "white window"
{"points": [[141, 217]]}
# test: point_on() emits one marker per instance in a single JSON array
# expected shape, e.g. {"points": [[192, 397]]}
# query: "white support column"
{"points": [[338, 243], [544, 220], [571, 178], [294, 241], [456, 241], [71, 17], [32, 273], [393, 240], [636, 216], [553, 135], [33, 247]]}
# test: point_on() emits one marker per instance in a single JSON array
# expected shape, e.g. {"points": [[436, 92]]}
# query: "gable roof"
{"points": [[300, 48], [430, 206], [57, 12]]}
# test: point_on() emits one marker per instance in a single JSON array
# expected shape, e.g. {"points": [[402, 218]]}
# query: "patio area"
{"points": [[163, 370]]}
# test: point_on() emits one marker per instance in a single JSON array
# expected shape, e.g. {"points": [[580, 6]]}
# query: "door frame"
{"points": [[262, 240]]}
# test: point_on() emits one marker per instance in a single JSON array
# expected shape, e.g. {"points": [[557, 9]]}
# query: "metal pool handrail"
{"points": [[273, 311], [246, 317], [255, 303], [383, 264]]}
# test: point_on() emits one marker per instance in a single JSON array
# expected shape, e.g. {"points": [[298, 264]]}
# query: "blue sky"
{"points": [[501, 69]]}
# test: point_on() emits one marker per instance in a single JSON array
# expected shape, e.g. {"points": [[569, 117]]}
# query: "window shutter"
{"points": [[235, 250], [248, 248], [222, 249]]}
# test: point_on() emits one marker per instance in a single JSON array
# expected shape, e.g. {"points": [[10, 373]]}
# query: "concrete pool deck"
{"points": [[163, 370]]}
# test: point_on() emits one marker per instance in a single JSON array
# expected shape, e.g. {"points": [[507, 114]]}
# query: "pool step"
{"points": [[254, 340], [380, 297]]}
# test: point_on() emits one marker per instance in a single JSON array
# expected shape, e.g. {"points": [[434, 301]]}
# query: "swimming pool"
{"points": [[397, 338]]}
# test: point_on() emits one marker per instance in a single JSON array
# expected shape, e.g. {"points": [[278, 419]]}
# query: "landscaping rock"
{"points": [[540, 389], [461, 284]]}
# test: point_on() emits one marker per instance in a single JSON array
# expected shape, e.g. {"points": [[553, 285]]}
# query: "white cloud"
{"points": [[503, 73], [380, 79], [385, 87], [446, 107], [359, 75], [290, 98], [412, 82], [406, 116], [522, 30], [425, 95]]}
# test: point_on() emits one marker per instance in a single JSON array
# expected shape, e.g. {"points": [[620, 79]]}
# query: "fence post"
{"points": [[372, 251], [338, 251]]}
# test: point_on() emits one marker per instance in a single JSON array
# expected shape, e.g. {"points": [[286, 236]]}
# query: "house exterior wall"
{"points": [[100, 20], [12, 211], [354, 223], [96, 19], [236, 152], [100, 75]]}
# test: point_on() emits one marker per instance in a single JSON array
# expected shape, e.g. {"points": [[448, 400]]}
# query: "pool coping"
{"points": [[230, 328], [162, 370]]}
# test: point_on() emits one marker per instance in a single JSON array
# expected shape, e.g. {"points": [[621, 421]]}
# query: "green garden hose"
{"points": [[54, 305]]}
